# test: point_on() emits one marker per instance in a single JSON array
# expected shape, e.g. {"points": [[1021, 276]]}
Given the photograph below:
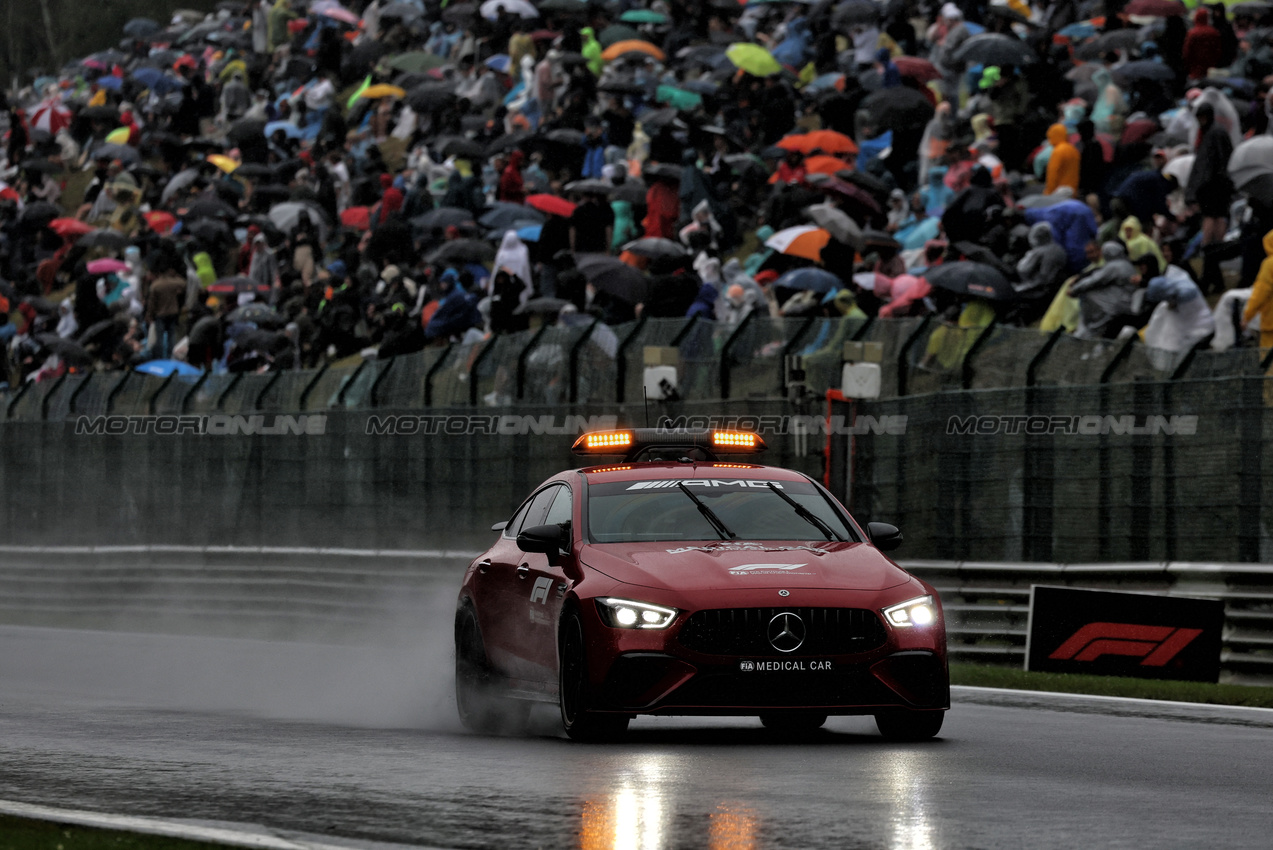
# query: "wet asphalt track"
{"points": [[360, 744]]}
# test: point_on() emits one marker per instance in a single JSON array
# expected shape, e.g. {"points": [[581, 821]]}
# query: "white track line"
{"points": [[228, 836], [1151, 707]]}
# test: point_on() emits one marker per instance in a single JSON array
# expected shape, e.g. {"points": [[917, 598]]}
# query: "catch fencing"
{"points": [[343, 594], [588, 362]]}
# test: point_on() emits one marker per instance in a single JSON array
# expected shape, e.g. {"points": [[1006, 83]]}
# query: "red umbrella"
{"points": [[917, 68], [237, 284], [1155, 8], [70, 227], [359, 217], [551, 204], [1139, 131], [160, 221]]}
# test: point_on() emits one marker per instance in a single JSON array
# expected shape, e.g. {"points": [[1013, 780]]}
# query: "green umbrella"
{"points": [[415, 62], [618, 32], [681, 99], [753, 59], [643, 16]]}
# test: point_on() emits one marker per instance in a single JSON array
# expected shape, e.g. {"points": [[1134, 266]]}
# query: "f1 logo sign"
{"points": [[1154, 645], [539, 593]]}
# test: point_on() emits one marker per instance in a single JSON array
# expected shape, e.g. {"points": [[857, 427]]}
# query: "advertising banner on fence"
{"points": [[1108, 633]]}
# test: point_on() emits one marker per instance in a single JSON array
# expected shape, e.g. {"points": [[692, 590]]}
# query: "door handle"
{"points": [[483, 566], [523, 571]]}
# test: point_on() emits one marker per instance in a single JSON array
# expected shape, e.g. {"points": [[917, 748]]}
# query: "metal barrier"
{"points": [[289, 592]]}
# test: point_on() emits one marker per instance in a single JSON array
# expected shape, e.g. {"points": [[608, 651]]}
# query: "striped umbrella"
{"points": [[802, 241]]}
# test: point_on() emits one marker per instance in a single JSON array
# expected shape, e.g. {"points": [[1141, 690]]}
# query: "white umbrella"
{"points": [[1180, 168], [1251, 159], [490, 9], [179, 181], [284, 217]]}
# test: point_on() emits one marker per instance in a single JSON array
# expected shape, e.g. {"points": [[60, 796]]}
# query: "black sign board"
{"points": [[1107, 633]]}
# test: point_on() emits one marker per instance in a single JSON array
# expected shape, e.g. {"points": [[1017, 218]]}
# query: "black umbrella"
{"points": [[503, 215], [100, 113], [898, 109], [102, 331], [462, 251], [656, 246], [210, 208], [565, 136], [1146, 69], [39, 214], [179, 182], [211, 230], [123, 153], [662, 169], [460, 147], [68, 350], [622, 85], [508, 141], [1007, 14], [427, 98], [141, 27], [591, 186], [1124, 39], [412, 79], [613, 276], [459, 13], [253, 170], [111, 239], [443, 217], [270, 194], [991, 48], [701, 54], [968, 278], [402, 11], [855, 12], [258, 314], [246, 129], [632, 191]]}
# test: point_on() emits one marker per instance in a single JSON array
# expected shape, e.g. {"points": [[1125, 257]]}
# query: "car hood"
{"points": [[733, 565]]}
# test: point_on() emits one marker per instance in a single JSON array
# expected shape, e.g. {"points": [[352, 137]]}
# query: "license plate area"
{"points": [[785, 665]]}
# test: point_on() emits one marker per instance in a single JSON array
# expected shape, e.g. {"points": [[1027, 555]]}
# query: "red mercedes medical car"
{"points": [[673, 582]]}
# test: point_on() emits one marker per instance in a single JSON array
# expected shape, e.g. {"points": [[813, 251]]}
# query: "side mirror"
{"points": [[548, 539], [500, 526], [884, 536]]}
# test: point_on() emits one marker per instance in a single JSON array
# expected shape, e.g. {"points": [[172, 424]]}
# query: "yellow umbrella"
{"points": [[223, 162], [376, 92], [753, 59], [118, 136], [632, 45]]}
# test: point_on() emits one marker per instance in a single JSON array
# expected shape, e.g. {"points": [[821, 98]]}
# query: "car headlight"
{"points": [[913, 612], [627, 614]]}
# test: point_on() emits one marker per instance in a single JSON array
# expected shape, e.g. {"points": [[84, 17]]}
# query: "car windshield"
{"points": [[635, 511]]}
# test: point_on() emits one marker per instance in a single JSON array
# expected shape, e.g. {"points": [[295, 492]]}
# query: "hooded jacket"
{"points": [[1182, 318], [1261, 301], [1063, 164], [1105, 293], [1138, 244], [1073, 226], [1043, 267]]}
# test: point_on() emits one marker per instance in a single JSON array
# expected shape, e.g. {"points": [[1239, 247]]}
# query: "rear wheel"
{"points": [[581, 723], [793, 723], [905, 725], [477, 701]]}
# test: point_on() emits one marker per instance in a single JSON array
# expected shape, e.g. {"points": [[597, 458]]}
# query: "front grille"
{"points": [[743, 631]]}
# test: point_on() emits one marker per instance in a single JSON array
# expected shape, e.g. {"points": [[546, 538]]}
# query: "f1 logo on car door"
{"points": [[548, 591]]}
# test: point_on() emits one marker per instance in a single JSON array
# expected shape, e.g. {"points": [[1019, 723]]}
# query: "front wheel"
{"points": [[477, 702], [580, 723], [906, 725]]}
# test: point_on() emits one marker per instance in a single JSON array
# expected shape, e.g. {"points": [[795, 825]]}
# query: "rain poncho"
{"points": [[591, 51], [1104, 294], [1138, 244], [1043, 267], [1182, 318], [1073, 226], [514, 256], [1261, 301], [936, 194], [1063, 163]]}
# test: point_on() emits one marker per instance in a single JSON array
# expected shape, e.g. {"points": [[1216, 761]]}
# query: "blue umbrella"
{"points": [[109, 81], [818, 280], [292, 131], [499, 62], [530, 233], [164, 368]]}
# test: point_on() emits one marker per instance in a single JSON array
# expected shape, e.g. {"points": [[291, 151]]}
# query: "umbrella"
{"points": [[416, 61], [430, 96], [443, 217], [211, 231], [992, 49], [179, 181], [1180, 168], [462, 251], [111, 239], [1251, 159], [1146, 69], [855, 12], [165, 368], [460, 147], [632, 45], [753, 59], [68, 227], [801, 241], [223, 162], [405, 11], [237, 284], [872, 238], [530, 233], [141, 27], [503, 215], [591, 186], [490, 9], [1007, 14], [68, 350], [898, 109], [124, 153], [257, 314], [286, 216], [836, 222], [551, 204], [826, 165], [1124, 39], [39, 214], [459, 13], [967, 278], [633, 191], [817, 280], [656, 246], [356, 217], [210, 208], [101, 113], [43, 166], [917, 69], [1155, 8], [249, 128], [709, 55], [613, 276], [254, 170], [541, 305], [50, 116], [106, 265], [382, 90], [100, 332], [160, 221], [621, 85]]}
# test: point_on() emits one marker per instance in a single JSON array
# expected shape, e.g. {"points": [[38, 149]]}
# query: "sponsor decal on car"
{"points": [[731, 546], [742, 483], [785, 665], [767, 570]]}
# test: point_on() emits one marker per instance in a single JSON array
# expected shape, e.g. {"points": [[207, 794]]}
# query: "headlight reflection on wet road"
{"points": [[909, 789]]}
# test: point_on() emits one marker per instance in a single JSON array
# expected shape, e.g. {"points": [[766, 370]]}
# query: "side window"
{"points": [[515, 523], [534, 515], [560, 512]]}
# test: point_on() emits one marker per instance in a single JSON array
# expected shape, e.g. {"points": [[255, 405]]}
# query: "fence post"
{"points": [[477, 361], [574, 360], [523, 356], [789, 347], [372, 396], [269, 385], [309, 387], [26, 386], [971, 354], [684, 331], [1122, 354], [185, 399], [905, 350], [150, 400], [225, 393], [349, 382], [727, 348], [1031, 371], [1187, 360], [119, 385], [44, 402], [433, 370], [621, 359]]}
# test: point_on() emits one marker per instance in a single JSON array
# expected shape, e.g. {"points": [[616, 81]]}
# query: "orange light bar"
{"points": [[734, 439], [607, 442], [596, 469], [734, 466]]}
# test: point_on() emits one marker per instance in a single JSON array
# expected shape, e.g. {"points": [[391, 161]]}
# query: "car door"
{"points": [[508, 587], [548, 586]]}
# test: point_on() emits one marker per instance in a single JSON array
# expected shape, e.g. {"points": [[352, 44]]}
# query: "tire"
{"points": [[905, 725], [793, 724], [579, 721], [477, 701]]}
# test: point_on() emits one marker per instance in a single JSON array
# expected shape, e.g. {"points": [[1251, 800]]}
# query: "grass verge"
{"points": [[987, 676], [29, 834]]}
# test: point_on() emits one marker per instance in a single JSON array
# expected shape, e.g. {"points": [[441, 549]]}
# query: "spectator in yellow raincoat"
{"points": [[1261, 301]]}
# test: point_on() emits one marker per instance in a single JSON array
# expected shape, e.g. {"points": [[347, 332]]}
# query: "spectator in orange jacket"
{"points": [[1063, 164]]}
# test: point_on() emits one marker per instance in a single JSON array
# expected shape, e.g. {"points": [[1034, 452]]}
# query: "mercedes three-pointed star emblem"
{"points": [[786, 632]]}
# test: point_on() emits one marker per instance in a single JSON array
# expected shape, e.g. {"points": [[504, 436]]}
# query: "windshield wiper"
{"points": [[708, 514], [806, 514]]}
